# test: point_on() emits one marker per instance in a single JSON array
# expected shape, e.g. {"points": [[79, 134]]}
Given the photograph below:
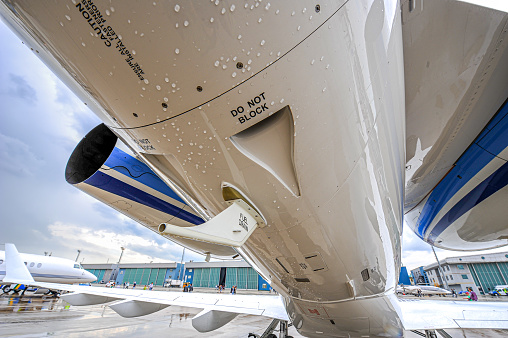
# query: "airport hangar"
{"points": [[475, 271], [200, 274]]}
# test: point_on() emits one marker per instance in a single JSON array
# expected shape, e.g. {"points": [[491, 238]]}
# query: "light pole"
{"points": [[440, 269], [119, 259], [180, 267], [79, 252]]}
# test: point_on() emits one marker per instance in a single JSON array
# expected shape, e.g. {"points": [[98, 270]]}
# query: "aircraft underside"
{"points": [[296, 111]]}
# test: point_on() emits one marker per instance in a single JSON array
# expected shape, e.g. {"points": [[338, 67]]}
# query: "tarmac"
{"points": [[43, 316]]}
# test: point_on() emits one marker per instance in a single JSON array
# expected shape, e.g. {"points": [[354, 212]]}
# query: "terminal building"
{"points": [[199, 274], [480, 272]]}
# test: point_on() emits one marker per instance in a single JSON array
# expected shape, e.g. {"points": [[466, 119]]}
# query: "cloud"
{"points": [[16, 157], [21, 89], [42, 122], [411, 242], [99, 246]]}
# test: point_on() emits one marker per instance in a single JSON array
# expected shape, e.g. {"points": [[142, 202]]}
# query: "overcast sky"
{"points": [[41, 122]]}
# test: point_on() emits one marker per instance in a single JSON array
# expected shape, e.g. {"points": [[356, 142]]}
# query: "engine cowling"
{"points": [[126, 184], [467, 210]]}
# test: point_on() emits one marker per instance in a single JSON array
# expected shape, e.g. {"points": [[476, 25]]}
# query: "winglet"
{"points": [[15, 270]]}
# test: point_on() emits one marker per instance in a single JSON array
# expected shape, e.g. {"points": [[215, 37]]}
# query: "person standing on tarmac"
{"points": [[472, 295]]}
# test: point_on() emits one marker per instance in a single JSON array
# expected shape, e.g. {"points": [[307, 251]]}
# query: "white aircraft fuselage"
{"points": [[326, 175], [51, 269], [297, 109]]}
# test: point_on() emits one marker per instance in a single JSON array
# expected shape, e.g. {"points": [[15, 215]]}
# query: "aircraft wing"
{"points": [[218, 309], [419, 314]]}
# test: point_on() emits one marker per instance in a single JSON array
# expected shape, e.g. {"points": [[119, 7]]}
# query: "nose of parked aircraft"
{"points": [[90, 277]]}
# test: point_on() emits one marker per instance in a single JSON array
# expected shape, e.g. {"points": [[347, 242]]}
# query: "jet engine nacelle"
{"points": [[129, 186], [467, 210]]}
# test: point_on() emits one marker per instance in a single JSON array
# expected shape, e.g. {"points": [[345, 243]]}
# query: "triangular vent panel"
{"points": [[270, 144]]}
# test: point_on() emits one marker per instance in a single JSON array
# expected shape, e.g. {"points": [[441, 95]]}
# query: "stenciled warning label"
{"points": [[251, 109], [91, 13]]}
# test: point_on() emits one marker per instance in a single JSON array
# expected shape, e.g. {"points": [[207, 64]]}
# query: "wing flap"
{"points": [[482, 324], [445, 314], [480, 315]]}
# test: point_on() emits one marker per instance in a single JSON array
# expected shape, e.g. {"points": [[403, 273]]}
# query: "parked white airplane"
{"points": [[298, 135], [425, 290], [50, 269], [433, 290]]}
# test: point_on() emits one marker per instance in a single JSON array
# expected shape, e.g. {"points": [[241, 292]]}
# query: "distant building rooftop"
{"points": [[221, 264], [485, 258], [188, 265], [129, 265]]}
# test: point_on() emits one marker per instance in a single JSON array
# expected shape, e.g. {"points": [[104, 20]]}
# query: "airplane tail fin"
{"points": [[16, 271]]}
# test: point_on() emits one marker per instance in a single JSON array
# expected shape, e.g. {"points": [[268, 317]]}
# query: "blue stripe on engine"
{"points": [[474, 160], [495, 182], [130, 166], [117, 187], [491, 141]]}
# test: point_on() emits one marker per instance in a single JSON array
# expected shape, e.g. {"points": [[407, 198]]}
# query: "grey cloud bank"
{"points": [[41, 122]]}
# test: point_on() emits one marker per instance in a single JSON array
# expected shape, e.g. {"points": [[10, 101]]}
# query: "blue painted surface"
{"points": [[130, 166], [169, 274], [263, 285], [179, 271], [119, 277], [173, 274], [424, 274], [403, 276], [416, 273], [491, 185], [189, 276], [487, 145], [107, 183]]}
